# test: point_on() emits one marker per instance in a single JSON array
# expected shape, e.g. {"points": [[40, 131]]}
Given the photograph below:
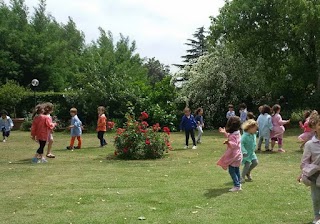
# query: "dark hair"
{"points": [[198, 110], [242, 106], [47, 108], [233, 124], [37, 110], [230, 106], [306, 114], [4, 112], [266, 109], [276, 108], [250, 116]]}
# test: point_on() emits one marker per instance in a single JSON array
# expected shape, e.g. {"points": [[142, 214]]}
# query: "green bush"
{"points": [[26, 126]]}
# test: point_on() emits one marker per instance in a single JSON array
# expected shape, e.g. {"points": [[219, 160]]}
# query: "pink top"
{"points": [[41, 127], [233, 155], [305, 126], [278, 128]]}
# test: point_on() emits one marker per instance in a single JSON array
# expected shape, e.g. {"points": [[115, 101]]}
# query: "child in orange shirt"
{"points": [[102, 125]]}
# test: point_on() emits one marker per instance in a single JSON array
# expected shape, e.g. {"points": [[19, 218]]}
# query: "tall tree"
{"points": [[156, 70]]}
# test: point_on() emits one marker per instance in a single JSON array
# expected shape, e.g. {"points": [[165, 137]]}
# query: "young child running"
{"points": [[102, 125], [200, 123], [75, 129], [6, 125], [188, 124], [230, 112], [265, 127], [40, 130], [278, 128], [232, 157], [308, 133], [248, 147], [311, 156]]}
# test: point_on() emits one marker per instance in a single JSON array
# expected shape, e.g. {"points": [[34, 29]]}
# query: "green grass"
{"points": [[185, 187]]}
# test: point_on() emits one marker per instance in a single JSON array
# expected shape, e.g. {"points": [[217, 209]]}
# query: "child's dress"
{"points": [[278, 128], [233, 155], [307, 132], [248, 147]]}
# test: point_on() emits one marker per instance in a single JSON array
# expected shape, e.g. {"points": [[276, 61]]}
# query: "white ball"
{"points": [[35, 82]]}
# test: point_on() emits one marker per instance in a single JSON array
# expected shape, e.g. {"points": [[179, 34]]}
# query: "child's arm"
{"points": [[182, 123], [243, 148], [232, 142], [306, 157], [270, 125], [10, 123], [223, 131], [282, 122], [49, 123]]}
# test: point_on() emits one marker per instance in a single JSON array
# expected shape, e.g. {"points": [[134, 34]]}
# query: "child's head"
{"points": [[261, 109], [306, 114], [73, 111], [47, 108], [233, 124], [266, 109], [242, 106], [231, 107], [250, 126], [250, 116], [314, 119], [4, 114], [187, 111], [276, 109], [199, 111], [101, 110]]}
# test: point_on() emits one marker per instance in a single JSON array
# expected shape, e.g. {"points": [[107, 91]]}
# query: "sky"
{"points": [[159, 27]]}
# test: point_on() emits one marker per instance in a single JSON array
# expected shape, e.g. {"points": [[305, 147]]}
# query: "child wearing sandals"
{"points": [[40, 130], [75, 129], [265, 127], [231, 159], [311, 156], [308, 133], [248, 147], [278, 128]]}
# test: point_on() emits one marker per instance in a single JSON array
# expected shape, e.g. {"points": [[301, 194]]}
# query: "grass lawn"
{"points": [[185, 187]]}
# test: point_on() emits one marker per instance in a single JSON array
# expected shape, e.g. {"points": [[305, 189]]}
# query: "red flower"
{"points": [[120, 131], [166, 130], [144, 124], [144, 116], [143, 130], [125, 150], [148, 142], [156, 127], [110, 125]]}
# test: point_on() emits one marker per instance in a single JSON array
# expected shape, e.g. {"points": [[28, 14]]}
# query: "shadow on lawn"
{"points": [[213, 193], [22, 161]]}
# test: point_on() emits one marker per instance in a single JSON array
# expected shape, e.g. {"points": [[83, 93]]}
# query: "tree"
{"points": [[156, 70]]}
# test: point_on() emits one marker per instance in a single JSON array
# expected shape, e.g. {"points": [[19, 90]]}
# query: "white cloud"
{"points": [[160, 28]]}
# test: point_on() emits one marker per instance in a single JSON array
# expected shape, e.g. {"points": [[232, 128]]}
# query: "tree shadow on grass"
{"points": [[213, 193]]}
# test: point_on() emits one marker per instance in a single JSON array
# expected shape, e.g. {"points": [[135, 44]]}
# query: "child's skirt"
{"points": [[306, 136]]}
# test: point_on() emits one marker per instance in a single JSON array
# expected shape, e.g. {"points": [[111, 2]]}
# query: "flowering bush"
{"points": [[110, 125], [138, 140]]}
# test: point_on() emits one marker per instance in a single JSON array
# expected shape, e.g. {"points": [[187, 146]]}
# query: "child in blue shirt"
{"points": [[243, 112], [231, 112], [6, 125], [188, 124], [265, 127]]}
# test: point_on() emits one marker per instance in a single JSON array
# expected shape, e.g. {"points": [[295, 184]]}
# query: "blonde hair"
{"points": [[73, 110], [314, 119], [102, 108], [187, 109], [249, 124]]}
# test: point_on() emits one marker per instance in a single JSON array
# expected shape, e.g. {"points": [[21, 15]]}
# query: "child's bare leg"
{"points": [[273, 143]]}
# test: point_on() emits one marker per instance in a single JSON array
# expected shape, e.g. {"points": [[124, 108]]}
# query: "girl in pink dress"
{"points": [[278, 128], [308, 133], [232, 158]]}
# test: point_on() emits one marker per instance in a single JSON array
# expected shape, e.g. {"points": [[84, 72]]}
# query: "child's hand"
{"points": [[288, 121], [245, 155], [299, 178], [226, 142], [300, 123], [222, 130]]}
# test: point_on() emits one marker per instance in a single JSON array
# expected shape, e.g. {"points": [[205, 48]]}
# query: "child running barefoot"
{"points": [[102, 125], [311, 156], [200, 123], [308, 133], [278, 128], [232, 157], [40, 130], [188, 124], [248, 147], [265, 127], [6, 125], [75, 129]]}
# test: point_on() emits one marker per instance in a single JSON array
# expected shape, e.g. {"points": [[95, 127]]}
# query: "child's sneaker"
{"points": [[249, 178], [4, 140], [243, 180], [77, 147], [194, 147], [186, 147], [43, 160], [34, 160], [70, 148], [235, 189], [281, 150]]}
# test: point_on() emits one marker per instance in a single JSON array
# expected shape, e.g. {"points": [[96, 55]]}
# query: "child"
{"points": [[188, 124], [102, 125], [278, 128], [6, 125], [40, 130], [50, 142], [265, 127], [250, 116], [200, 123], [231, 112], [248, 146], [243, 112], [75, 129], [310, 156], [232, 157], [308, 133]]}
